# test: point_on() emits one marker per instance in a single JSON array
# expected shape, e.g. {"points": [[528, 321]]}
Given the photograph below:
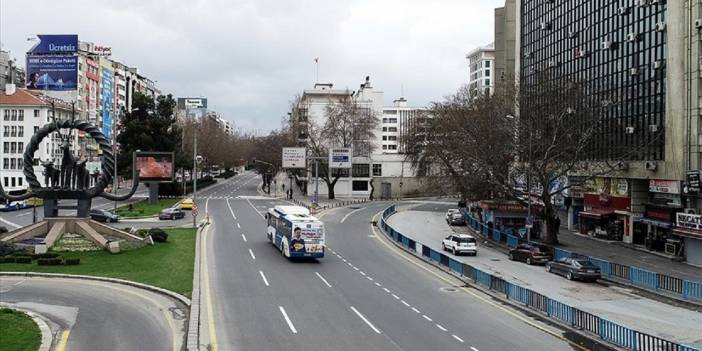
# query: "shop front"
{"points": [[508, 217], [654, 229], [688, 226], [605, 216]]}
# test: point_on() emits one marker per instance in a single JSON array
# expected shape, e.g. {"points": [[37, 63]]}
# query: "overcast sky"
{"points": [[250, 57]]}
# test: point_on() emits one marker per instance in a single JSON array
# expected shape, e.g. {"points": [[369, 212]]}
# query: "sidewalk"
{"points": [[282, 184], [616, 304]]}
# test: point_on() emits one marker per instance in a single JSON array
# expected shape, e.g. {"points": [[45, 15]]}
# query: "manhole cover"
{"points": [[448, 289]]}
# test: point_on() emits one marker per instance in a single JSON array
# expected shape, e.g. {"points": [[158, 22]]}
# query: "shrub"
{"points": [[7, 259], [3, 229], [56, 261], [45, 255], [158, 235], [71, 261], [7, 248], [20, 253], [23, 259]]}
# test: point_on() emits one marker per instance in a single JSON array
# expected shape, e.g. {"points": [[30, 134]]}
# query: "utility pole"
{"points": [[194, 174], [114, 152]]}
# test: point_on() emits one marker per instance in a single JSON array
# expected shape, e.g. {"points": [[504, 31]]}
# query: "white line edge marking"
{"points": [[356, 268], [263, 276], [415, 310], [287, 319], [377, 284], [363, 273], [207, 205], [365, 320], [369, 278], [405, 303], [474, 349], [10, 223], [255, 210], [441, 327], [395, 296], [322, 278], [427, 318], [231, 210], [252, 254], [243, 237], [350, 213], [237, 225], [386, 290], [456, 337]]}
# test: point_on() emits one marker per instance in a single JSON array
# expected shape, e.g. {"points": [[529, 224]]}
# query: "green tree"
{"points": [[150, 126]]}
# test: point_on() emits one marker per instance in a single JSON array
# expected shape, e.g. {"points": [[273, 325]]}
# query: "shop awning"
{"points": [[654, 222], [596, 213], [690, 233]]}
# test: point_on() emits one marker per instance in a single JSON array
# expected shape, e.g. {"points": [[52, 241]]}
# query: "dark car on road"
{"points": [[171, 213], [574, 268], [531, 254], [454, 217], [103, 216]]}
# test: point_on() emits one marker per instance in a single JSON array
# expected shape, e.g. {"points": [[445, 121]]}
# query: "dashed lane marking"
{"points": [[252, 254], [322, 278], [263, 276], [457, 338], [287, 319], [360, 315]]}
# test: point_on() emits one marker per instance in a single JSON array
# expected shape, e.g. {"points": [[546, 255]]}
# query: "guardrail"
{"points": [[686, 289], [606, 330]]}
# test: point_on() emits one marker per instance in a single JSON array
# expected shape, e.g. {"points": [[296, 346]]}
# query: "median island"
{"points": [[143, 208], [18, 332]]}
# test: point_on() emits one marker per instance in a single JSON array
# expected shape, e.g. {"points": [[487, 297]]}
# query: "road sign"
{"points": [[340, 157], [194, 210], [294, 157]]}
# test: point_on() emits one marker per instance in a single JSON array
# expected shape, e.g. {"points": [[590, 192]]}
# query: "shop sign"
{"points": [[690, 221], [659, 215], [621, 203], [503, 207], [693, 182], [664, 186]]}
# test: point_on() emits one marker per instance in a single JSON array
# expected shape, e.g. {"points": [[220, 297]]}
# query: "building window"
{"points": [[392, 120], [13, 147], [487, 72], [6, 182], [13, 116], [20, 131], [390, 112], [385, 147], [377, 170], [385, 137], [19, 163], [392, 147], [392, 129], [13, 131], [487, 64], [20, 147], [36, 129], [6, 131], [36, 113], [6, 114], [385, 120], [359, 185], [6, 147], [360, 170], [20, 115], [13, 163], [19, 181], [392, 137], [6, 165], [340, 172], [385, 129], [487, 82]]}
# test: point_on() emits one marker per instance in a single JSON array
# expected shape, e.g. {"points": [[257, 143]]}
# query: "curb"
{"points": [[193, 334], [595, 342], [174, 295], [47, 338]]}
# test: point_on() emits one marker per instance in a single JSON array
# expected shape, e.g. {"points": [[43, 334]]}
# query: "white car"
{"points": [[460, 243]]}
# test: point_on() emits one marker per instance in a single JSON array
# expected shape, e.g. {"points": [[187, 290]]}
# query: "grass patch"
{"points": [[18, 332], [144, 209], [167, 265]]}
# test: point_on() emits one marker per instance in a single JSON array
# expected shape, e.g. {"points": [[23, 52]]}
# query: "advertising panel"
{"points": [[155, 166], [294, 157], [55, 44], [188, 103], [664, 186], [689, 221], [52, 72], [106, 103], [693, 182], [340, 157]]}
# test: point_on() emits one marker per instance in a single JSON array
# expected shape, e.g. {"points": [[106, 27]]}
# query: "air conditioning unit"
{"points": [[545, 26], [623, 10], [660, 26], [633, 71], [657, 64], [629, 130], [690, 211], [698, 23], [653, 128], [632, 37], [606, 45], [651, 165]]}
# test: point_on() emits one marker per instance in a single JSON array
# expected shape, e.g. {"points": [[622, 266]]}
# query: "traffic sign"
{"points": [[194, 210], [294, 157]]}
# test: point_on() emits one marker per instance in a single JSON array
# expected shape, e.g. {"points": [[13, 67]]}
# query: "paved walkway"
{"points": [[619, 305]]}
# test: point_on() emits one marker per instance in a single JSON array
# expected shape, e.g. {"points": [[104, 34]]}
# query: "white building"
{"points": [[481, 69], [22, 113]]}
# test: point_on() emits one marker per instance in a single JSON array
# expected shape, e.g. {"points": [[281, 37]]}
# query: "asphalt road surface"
{"points": [[360, 296], [100, 316]]}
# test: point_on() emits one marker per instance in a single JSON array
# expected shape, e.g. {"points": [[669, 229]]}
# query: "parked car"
{"points": [[171, 213], [454, 217], [13, 206], [186, 204], [103, 216], [531, 254], [460, 243], [574, 268]]}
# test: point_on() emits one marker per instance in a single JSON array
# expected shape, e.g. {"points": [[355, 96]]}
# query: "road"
{"points": [[100, 316], [361, 296], [426, 224]]}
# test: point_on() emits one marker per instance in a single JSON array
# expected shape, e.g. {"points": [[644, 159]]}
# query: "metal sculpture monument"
{"points": [[69, 182]]}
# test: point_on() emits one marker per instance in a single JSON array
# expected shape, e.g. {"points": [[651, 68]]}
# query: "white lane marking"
{"points": [[474, 349], [365, 320], [427, 317], [322, 278], [252, 255], [415, 310], [457, 338], [369, 278], [386, 290], [405, 303], [363, 274], [356, 268], [19, 282], [243, 237], [9, 223], [350, 264], [343, 259], [207, 205], [237, 225], [441, 327], [255, 210], [377, 284], [287, 319], [350, 213], [230, 210], [263, 276], [395, 296]]}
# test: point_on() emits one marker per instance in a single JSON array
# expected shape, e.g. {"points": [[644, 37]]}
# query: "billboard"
{"points": [[189, 103], [55, 44], [155, 166], [106, 87], [294, 157], [52, 72], [340, 157]]}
